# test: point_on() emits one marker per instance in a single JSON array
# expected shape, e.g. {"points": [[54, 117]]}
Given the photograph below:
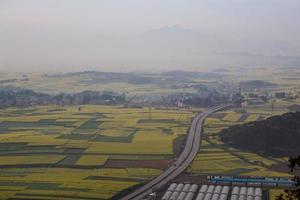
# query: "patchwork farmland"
{"points": [[215, 157], [88, 152]]}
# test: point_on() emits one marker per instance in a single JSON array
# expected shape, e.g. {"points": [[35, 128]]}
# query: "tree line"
{"points": [[25, 98]]}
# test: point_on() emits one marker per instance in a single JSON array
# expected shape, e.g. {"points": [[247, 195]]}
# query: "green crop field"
{"points": [[273, 193], [215, 157], [53, 152]]}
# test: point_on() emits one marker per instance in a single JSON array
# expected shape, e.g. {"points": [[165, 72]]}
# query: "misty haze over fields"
{"points": [[149, 99], [142, 35]]}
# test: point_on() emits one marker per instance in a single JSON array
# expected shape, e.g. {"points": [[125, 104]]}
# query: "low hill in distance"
{"points": [[275, 136], [256, 84]]}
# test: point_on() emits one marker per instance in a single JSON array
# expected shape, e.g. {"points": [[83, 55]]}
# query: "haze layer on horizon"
{"points": [[126, 35]]}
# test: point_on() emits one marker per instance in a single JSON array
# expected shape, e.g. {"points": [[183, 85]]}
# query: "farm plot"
{"points": [[29, 160], [92, 160], [53, 152]]}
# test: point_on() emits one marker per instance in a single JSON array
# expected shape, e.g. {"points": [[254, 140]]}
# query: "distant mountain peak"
{"points": [[172, 27]]}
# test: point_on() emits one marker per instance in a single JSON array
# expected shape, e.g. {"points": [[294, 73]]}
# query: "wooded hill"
{"points": [[275, 136]]}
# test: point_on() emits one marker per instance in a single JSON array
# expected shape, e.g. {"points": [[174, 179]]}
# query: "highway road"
{"points": [[183, 161]]}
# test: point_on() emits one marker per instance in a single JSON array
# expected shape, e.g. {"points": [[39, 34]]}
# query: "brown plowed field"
{"points": [[157, 164]]}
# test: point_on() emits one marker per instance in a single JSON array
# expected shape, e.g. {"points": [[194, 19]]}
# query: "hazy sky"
{"points": [[36, 34]]}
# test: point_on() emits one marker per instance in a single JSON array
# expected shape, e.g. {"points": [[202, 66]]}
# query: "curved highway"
{"points": [[186, 157]]}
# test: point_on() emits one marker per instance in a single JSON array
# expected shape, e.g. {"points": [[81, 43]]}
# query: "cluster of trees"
{"points": [[287, 96], [252, 84], [292, 193], [203, 99], [210, 100], [24, 98]]}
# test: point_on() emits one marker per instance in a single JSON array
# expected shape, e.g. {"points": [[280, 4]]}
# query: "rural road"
{"points": [[183, 161]]}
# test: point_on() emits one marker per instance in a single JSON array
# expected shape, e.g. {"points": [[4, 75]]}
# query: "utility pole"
{"points": [[150, 111]]}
